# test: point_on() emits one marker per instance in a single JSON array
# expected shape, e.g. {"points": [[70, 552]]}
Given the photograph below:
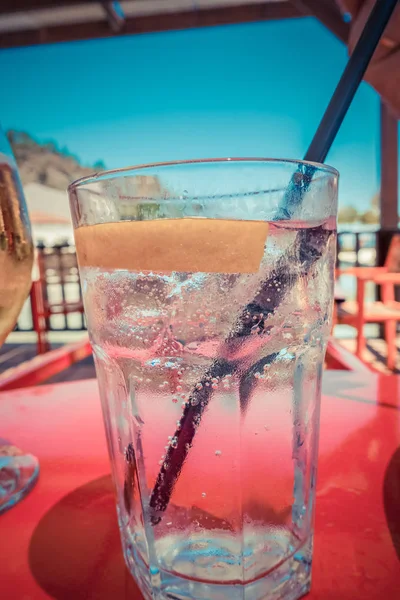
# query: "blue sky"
{"points": [[251, 90]]}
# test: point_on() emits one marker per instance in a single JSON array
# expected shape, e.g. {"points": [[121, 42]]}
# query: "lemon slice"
{"points": [[187, 245]]}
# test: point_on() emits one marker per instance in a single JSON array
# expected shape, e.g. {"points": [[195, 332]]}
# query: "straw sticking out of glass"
{"points": [[308, 247]]}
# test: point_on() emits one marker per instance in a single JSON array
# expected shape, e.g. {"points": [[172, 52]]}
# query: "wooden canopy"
{"points": [[27, 22]]}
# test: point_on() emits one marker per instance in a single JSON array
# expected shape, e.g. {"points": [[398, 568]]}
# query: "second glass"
{"points": [[208, 294]]}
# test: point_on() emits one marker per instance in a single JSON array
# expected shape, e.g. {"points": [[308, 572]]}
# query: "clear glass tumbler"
{"points": [[208, 291]]}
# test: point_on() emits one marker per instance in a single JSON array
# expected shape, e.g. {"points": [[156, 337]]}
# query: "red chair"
{"points": [[386, 311], [55, 267]]}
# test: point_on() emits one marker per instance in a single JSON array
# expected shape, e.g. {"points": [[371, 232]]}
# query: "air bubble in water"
{"points": [[203, 494], [218, 453]]}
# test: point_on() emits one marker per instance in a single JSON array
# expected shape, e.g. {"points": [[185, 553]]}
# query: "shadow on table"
{"points": [[75, 551]]}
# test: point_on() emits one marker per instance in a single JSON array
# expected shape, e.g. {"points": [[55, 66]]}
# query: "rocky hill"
{"points": [[47, 163]]}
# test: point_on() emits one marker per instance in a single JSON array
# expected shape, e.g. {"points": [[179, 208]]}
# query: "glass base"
{"points": [[18, 475], [290, 579]]}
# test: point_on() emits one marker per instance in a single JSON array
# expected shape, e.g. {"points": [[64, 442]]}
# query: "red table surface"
{"points": [[62, 541]]}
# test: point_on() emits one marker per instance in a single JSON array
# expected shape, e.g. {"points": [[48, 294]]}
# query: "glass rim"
{"points": [[102, 175]]}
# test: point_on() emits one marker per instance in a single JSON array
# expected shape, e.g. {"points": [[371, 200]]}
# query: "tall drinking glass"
{"points": [[208, 294], [18, 471]]}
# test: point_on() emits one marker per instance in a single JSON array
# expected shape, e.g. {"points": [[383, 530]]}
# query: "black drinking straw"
{"points": [[308, 248]]}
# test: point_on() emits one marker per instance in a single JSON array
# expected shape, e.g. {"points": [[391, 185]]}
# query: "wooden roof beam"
{"points": [[16, 6], [168, 21]]}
